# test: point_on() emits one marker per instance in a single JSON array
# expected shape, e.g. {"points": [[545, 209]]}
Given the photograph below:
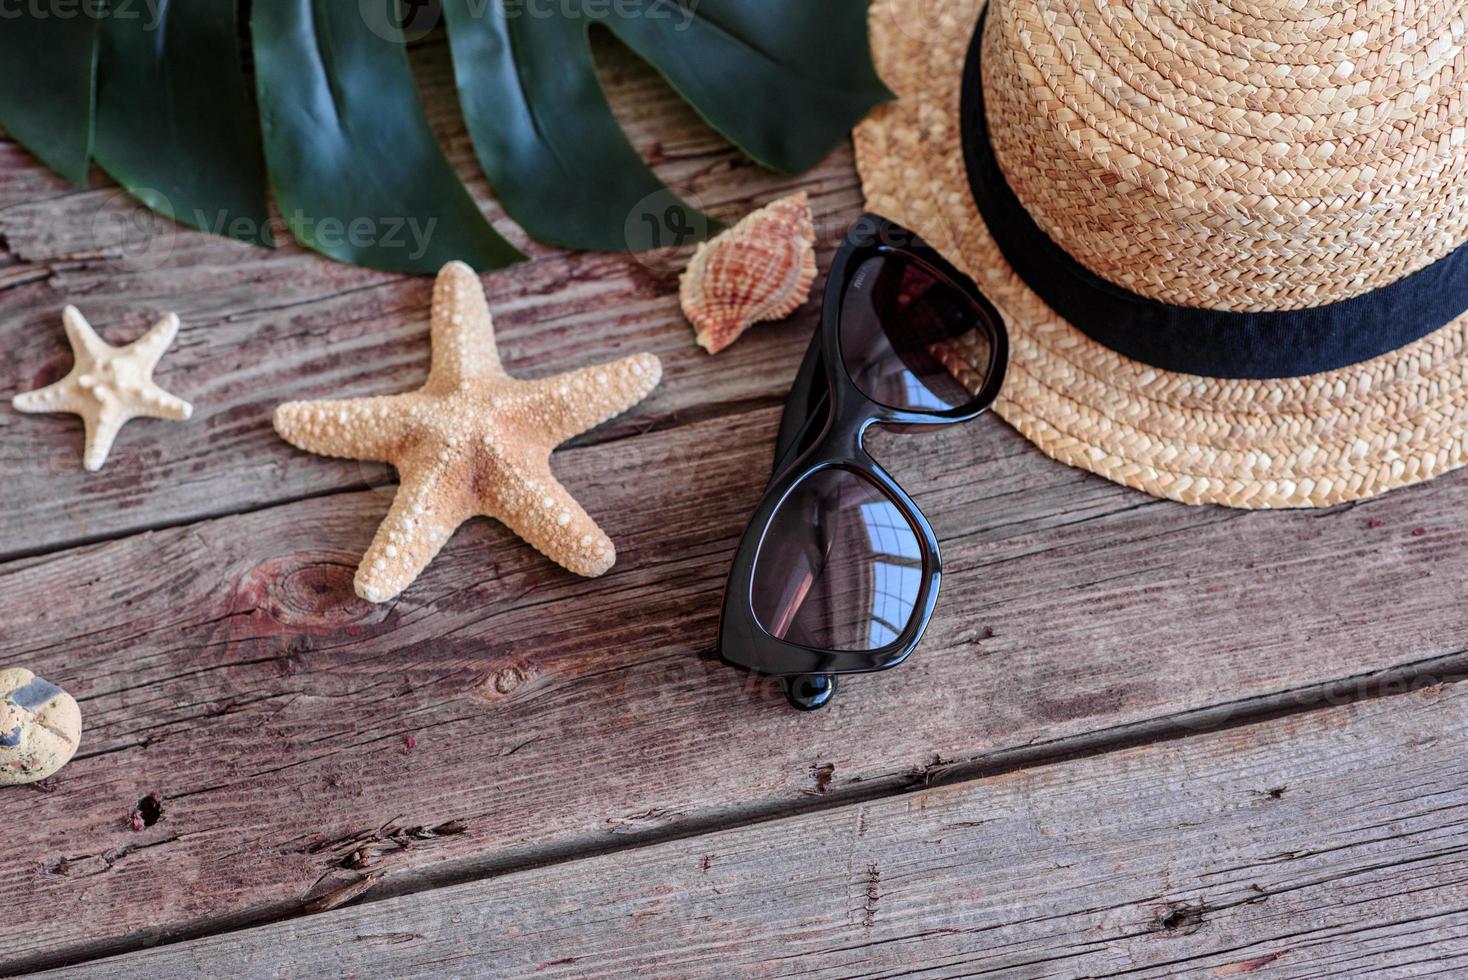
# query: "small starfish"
{"points": [[473, 441], [109, 386]]}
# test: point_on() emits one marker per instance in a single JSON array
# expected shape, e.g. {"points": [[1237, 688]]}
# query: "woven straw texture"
{"points": [[1217, 154]]}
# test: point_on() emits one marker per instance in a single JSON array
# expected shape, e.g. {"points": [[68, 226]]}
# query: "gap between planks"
{"points": [[1319, 716], [598, 437], [1406, 680]]}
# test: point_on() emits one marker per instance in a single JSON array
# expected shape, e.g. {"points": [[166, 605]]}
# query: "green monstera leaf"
{"points": [[48, 70], [335, 128], [783, 80], [356, 171], [544, 132], [189, 151]]}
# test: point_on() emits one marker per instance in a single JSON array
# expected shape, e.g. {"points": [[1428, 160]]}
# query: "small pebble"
{"points": [[40, 727]]}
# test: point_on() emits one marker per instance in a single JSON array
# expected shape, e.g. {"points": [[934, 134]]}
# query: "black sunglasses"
{"points": [[838, 570]]}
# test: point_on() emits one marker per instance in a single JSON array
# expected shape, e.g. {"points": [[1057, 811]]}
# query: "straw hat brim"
{"points": [[1312, 441]]}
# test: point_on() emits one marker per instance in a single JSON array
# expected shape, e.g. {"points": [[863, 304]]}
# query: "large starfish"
{"points": [[472, 441], [108, 386]]}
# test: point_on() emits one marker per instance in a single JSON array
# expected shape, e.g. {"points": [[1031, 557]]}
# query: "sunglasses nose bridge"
{"points": [[852, 416], [842, 447]]}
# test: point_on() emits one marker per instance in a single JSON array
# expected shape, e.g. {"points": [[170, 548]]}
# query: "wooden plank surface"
{"points": [[196, 595], [1332, 843], [226, 667]]}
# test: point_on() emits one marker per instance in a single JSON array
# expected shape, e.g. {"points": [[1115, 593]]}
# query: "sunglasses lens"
{"points": [[911, 340], [840, 566]]}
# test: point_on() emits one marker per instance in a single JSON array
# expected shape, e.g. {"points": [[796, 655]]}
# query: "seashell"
{"points": [[761, 269], [40, 727]]}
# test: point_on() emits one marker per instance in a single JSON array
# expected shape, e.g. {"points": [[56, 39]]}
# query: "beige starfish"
{"points": [[108, 386], [472, 441]]}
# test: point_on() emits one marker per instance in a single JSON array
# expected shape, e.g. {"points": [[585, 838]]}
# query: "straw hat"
{"points": [[1227, 236]]}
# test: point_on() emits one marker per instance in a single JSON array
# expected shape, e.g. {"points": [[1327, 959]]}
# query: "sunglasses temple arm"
{"points": [[800, 412], [787, 456]]}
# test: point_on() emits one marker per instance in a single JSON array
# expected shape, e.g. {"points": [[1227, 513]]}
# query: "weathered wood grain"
{"points": [[258, 740], [226, 667], [1331, 843], [264, 327]]}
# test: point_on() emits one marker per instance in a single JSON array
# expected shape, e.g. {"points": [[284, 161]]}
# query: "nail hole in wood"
{"points": [[1182, 920], [149, 810]]}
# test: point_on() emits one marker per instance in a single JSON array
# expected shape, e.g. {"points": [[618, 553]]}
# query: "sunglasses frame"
{"points": [[838, 444]]}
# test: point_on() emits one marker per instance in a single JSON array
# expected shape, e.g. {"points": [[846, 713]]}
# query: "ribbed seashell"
{"points": [[761, 269]]}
